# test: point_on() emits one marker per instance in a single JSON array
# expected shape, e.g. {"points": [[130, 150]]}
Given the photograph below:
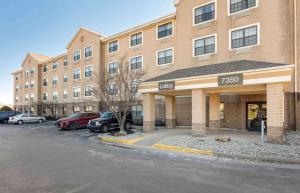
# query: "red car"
{"points": [[76, 120]]}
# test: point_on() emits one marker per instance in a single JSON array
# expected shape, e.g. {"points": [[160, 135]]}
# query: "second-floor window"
{"points": [[45, 69], [113, 89], [65, 62], [244, 37], [32, 97], [204, 13], [88, 71], [54, 80], [55, 95], [76, 74], [239, 5], [205, 45], [27, 85], [165, 57], [54, 65], [45, 82], [76, 92], [113, 68], [65, 78], [32, 70], [136, 39], [87, 91], [88, 51], [32, 84], [17, 88], [65, 96], [76, 55], [165, 30], [136, 63], [113, 46], [45, 96], [27, 98], [27, 72]]}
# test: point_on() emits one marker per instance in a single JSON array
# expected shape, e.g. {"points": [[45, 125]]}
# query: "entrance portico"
{"points": [[208, 84]]}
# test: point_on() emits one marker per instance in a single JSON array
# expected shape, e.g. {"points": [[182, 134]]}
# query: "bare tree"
{"points": [[117, 89]]}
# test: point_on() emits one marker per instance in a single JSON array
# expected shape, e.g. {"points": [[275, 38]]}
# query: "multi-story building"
{"points": [[212, 63]]}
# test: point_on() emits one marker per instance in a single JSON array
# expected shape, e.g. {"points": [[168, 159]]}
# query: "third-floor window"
{"points": [[65, 62], [204, 13], [88, 52], [45, 82], [206, 45], [76, 74], [113, 68], [136, 39], [239, 5], [45, 68], [54, 65], [113, 46], [88, 71], [165, 30], [55, 80], [76, 55], [65, 78]]}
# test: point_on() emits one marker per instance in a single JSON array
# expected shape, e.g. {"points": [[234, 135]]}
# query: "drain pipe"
{"points": [[296, 61]]}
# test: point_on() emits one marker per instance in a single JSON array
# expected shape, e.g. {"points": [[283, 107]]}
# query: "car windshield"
{"points": [[107, 115], [75, 115]]}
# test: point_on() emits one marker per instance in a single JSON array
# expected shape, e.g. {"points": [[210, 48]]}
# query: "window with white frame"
{"points": [[76, 55], [88, 52], [204, 13], [27, 85], [32, 84], [76, 74], [32, 70], [89, 109], [76, 92], [113, 46], [65, 78], [27, 72], [113, 89], [76, 109], [55, 80], [136, 39], [65, 94], [136, 63], [32, 97], [17, 99], [88, 71], [87, 91], [239, 5], [65, 61], [137, 111], [206, 45], [45, 68], [165, 57], [17, 88], [244, 37], [55, 95], [165, 30], [45, 82], [26, 97], [54, 65], [113, 68]]}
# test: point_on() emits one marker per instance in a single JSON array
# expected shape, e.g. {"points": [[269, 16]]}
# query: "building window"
{"points": [[27, 85], [17, 99], [76, 92], [76, 109], [204, 13], [27, 72], [87, 91], [88, 52], [137, 111], [26, 98], [136, 63], [205, 45], [239, 5], [89, 109], [17, 77], [45, 68], [17, 88], [55, 80], [88, 71], [222, 107], [54, 65], [165, 57], [113, 46], [32, 84], [76, 55], [113, 89], [45, 82], [136, 39], [113, 68], [165, 30], [32, 70], [244, 37], [65, 78], [65, 62], [65, 96], [32, 97], [45, 96], [76, 74], [55, 95]]}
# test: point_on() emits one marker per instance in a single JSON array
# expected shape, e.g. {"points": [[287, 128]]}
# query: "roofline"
{"points": [[16, 72], [169, 16], [53, 58]]}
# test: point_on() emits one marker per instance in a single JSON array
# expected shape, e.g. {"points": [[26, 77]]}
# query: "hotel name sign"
{"points": [[166, 86], [230, 80]]}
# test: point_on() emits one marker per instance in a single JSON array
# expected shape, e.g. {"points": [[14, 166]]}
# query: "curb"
{"points": [[184, 150], [123, 141]]}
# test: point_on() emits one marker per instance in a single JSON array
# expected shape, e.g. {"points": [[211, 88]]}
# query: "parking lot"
{"points": [[40, 158]]}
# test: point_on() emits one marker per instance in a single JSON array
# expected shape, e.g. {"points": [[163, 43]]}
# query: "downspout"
{"points": [[296, 61]]}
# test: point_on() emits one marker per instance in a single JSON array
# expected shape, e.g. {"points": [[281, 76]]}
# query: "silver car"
{"points": [[26, 118]]}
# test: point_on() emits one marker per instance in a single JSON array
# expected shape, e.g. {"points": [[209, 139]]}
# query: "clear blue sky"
{"points": [[46, 26]]}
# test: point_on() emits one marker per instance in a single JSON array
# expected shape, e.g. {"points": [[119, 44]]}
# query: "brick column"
{"points": [[149, 112], [275, 112], [214, 110], [198, 113], [170, 112]]}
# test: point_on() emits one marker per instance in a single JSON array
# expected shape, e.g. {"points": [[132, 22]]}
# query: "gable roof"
{"points": [[84, 29], [228, 67], [38, 57]]}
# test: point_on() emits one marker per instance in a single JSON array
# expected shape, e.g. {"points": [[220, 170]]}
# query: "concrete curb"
{"points": [[123, 141], [182, 149]]}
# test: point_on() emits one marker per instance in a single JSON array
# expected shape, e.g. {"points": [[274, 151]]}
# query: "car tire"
{"points": [[40, 121], [105, 129], [5, 121], [20, 122], [73, 126]]}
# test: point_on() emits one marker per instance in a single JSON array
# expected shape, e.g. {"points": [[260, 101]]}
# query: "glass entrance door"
{"points": [[256, 113]]}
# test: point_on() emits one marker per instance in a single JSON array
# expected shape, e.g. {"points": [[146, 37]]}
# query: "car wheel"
{"points": [[127, 126], [73, 126], [40, 121], [5, 121], [105, 129], [20, 122]]}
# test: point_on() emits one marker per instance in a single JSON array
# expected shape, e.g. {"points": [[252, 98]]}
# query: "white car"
{"points": [[26, 118]]}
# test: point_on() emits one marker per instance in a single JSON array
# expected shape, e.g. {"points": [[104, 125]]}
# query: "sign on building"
{"points": [[230, 80], [166, 86]]}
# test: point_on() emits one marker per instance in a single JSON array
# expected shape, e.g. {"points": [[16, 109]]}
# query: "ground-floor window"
{"points": [[76, 109], [88, 108], [137, 111]]}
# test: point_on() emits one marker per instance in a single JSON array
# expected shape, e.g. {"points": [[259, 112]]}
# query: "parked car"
{"points": [[76, 120], [4, 116], [26, 118], [108, 122]]}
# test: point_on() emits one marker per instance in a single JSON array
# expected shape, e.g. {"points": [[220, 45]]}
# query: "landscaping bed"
{"points": [[131, 134]]}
